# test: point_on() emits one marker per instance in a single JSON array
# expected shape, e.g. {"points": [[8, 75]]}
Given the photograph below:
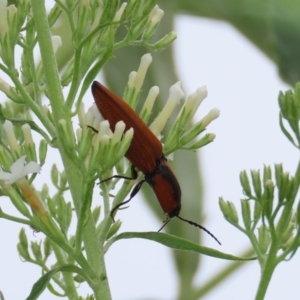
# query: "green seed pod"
{"points": [[113, 229], [165, 41], [43, 152], [96, 214], [55, 175], [256, 182], [257, 211], [268, 197], [233, 216], [224, 207], [23, 252], [47, 248], [267, 173], [36, 250], [264, 238], [23, 239], [245, 183], [246, 213]]}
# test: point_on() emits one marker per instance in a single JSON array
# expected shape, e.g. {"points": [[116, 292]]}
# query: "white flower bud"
{"points": [[27, 134], [10, 134], [56, 42], [120, 12], [212, 115], [175, 95], [144, 65]]}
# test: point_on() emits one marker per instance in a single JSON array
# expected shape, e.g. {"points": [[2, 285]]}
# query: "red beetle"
{"points": [[145, 153]]}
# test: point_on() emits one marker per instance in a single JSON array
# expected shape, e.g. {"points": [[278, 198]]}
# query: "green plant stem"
{"points": [[36, 88], [267, 272], [84, 214], [75, 81], [93, 247], [297, 179], [277, 233], [49, 62], [221, 276], [14, 219], [69, 286], [255, 246]]}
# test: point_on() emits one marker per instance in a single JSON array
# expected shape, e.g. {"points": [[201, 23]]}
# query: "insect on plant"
{"points": [[145, 153]]}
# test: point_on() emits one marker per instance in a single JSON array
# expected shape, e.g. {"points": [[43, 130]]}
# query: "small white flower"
{"points": [[3, 19], [175, 95], [119, 131], [27, 134], [196, 98], [152, 95], [4, 86], [56, 42], [46, 110], [157, 16], [131, 79], [104, 129], [81, 114], [11, 13], [153, 11], [120, 12], [18, 170], [10, 134], [144, 65], [193, 102], [93, 117], [212, 115]]}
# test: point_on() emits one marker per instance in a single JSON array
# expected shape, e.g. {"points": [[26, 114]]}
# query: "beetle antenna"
{"points": [[199, 226]]}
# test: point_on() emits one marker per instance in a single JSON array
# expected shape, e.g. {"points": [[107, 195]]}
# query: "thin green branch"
{"points": [[75, 81], [48, 59], [35, 81], [3, 215], [221, 276], [70, 287]]}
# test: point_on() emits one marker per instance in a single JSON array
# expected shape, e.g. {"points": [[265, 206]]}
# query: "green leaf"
{"points": [[42, 283], [178, 243]]}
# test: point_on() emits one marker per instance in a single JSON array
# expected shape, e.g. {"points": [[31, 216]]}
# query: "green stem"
{"points": [[297, 179], [221, 276], [266, 273], [84, 214], [69, 286], [256, 247], [35, 81], [14, 219], [75, 81], [48, 59], [93, 247]]}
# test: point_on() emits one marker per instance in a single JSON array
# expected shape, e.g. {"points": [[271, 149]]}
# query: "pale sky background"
{"points": [[244, 85]]}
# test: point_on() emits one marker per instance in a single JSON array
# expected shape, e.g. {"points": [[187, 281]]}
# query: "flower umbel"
{"points": [[107, 147]]}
